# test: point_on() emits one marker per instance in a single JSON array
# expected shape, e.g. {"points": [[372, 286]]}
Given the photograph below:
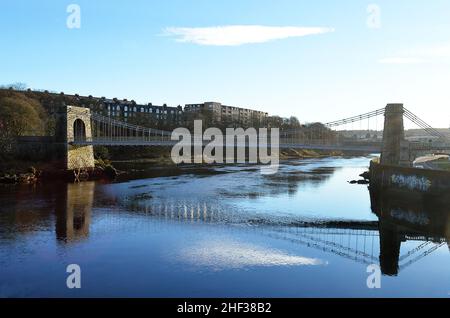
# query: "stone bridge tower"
{"points": [[395, 149], [73, 128]]}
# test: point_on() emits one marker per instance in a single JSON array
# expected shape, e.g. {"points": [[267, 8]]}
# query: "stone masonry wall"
{"points": [[79, 156]]}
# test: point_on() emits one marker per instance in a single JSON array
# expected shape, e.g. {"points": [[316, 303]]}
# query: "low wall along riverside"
{"points": [[435, 182]]}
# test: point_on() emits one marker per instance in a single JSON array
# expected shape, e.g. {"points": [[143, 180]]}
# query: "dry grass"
{"points": [[442, 164]]}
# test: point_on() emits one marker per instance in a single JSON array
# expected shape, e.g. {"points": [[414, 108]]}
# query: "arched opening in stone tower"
{"points": [[79, 131]]}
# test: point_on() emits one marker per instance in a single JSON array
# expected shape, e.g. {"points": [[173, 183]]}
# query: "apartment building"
{"points": [[231, 115]]}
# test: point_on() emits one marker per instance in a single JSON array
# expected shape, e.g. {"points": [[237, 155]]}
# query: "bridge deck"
{"points": [[170, 143]]}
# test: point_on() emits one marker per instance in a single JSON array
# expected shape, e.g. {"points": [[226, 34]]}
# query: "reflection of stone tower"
{"points": [[403, 216], [390, 241], [390, 244], [74, 125], [73, 215], [395, 148]]}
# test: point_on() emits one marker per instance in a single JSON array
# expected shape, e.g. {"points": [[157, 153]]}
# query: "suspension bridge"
{"points": [[84, 129], [107, 131]]}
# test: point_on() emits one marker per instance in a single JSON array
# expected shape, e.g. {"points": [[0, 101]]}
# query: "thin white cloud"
{"points": [[234, 35], [401, 60], [431, 54]]}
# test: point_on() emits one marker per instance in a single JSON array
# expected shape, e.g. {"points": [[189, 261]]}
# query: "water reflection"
{"points": [[422, 221], [65, 207], [291, 180], [134, 223], [73, 210], [227, 254], [404, 217]]}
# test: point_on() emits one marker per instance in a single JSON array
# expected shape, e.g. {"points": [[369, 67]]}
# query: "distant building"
{"points": [[163, 116], [213, 107], [224, 114], [121, 109], [125, 109]]}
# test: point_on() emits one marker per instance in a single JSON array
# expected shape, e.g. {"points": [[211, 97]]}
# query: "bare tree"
{"points": [[18, 86], [79, 167]]}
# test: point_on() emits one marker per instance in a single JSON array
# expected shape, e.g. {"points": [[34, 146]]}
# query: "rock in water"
{"points": [[365, 175]]}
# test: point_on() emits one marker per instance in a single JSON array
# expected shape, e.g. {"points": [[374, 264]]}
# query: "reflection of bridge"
{"points": [[365, 242], [406, 230], [362, 246], [84, 129]]}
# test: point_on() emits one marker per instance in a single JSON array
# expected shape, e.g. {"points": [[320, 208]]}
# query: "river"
{"points": [[223, 232]]}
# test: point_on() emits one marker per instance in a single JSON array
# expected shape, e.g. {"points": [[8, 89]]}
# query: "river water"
{"points": [[224, 232]]}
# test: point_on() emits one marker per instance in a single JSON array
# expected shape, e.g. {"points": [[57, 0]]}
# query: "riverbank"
{"points": [[433, 162], [26, 172], [162, 158], [308, 154], [112, 163]]}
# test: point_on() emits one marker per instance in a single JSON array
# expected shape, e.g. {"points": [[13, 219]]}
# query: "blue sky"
{"points": [[172, 52]]}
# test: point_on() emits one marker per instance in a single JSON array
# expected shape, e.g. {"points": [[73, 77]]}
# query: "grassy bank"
{"points": [[306, 153], [162, 156], [442, 164]]}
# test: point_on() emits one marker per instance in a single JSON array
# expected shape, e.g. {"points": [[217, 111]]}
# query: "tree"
{"points": [[294, 122], [19, 116], [275, 122], [18, 86], [79, 168]]}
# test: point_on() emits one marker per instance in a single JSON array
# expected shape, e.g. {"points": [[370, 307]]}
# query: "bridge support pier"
{"points": [[74, 125], [395, 149]]}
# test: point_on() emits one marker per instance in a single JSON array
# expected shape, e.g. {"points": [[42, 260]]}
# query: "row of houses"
{"points": [[129, 110], [123, 109]]}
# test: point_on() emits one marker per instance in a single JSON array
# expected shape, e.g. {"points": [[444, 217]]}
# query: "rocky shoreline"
{"points": [[29, 177], [32, 175]]}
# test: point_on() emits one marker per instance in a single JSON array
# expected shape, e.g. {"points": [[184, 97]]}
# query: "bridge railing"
{"points": [[230, 141]]}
